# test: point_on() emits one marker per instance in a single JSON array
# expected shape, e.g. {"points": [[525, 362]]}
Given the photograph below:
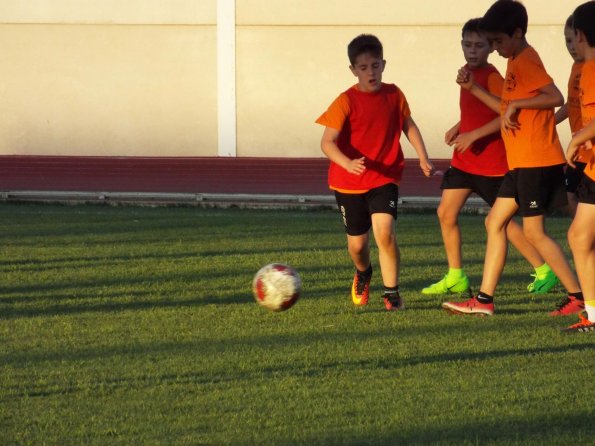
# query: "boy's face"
{"points": [[570, 38], [506, 46], [476, 49], [368, 70]]}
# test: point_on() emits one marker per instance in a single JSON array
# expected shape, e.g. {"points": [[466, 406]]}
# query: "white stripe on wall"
{"points": [[226, 77]]}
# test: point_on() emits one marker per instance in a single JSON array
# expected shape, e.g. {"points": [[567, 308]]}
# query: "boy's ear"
{"points": [[352, 68], [518, 33], [383, 64]]}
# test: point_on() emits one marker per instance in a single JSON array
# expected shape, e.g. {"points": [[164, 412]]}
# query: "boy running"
{"points": [[363, 127], [535, 182], [478, 165], [581, 234]]}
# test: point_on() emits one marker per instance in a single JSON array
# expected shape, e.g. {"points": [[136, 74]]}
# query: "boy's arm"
{"points": [[466, 81], [548, 97], [329, 147], [452, 133], [414, 136], [561, 114], [464, 140], [583, 137]]}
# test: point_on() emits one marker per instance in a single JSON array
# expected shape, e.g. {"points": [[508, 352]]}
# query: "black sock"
{"points": [[388, 290], [484, 298], [366, 273], [578, 295]]}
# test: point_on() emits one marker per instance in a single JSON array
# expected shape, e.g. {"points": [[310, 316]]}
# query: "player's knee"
{"points": [[445, 216]]}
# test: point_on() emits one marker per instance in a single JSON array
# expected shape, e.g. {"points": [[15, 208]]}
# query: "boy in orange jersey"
{"points": [[361, 139], [535, 182], [572, 111], [581, 234], [478, 165]]}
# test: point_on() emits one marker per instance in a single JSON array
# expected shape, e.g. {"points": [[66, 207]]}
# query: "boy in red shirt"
{"points": [[581, 234], [363, 127], [478, 166], [535, 182]]}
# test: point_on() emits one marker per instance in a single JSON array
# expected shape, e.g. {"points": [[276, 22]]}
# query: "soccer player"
{"points": [[363, 126], [571, 110], [478, 165], [535, 182], [581, 234]]}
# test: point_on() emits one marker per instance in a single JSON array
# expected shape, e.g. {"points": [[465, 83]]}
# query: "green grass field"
{"points": [[132, 326]]}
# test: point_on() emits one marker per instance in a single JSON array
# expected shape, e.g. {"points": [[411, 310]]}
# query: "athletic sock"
{"points": [[542, 271], [578, 295], [365, 274], [484, 298], [455, 273], [388, 290], [590, 308]]}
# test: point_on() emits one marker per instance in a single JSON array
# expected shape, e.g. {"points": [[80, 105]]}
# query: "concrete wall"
{"points": [[140, 78]]}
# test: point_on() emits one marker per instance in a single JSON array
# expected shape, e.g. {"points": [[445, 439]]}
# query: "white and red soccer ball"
{"points": [[276, 286]]}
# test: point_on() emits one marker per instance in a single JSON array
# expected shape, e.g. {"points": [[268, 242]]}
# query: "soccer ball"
{"points": [[276, 286]]}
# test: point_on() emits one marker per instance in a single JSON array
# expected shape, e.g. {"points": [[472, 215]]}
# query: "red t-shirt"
{"points": [[535, 143], [587, 97], [370, 125], [486, 156]]}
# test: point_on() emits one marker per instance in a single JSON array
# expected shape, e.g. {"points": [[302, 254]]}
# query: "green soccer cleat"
{"points": [[446, 286], [542, 285]]}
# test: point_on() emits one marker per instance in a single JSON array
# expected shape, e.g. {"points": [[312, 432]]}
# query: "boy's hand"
{"points": [[427, 167], [510, 118], [465, 78], [450, 136], [463, 141], [356, 166]]}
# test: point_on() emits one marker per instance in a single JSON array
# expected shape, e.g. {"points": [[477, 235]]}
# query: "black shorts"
{"points": [[574, 176], [586, 190], [486, 187], [357, 209], [536, 190]]}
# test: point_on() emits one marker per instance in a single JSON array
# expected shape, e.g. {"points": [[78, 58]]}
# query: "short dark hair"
{"points": [[364, 43], [569, 21], [584, 20], [505, 16], [472, 26]]}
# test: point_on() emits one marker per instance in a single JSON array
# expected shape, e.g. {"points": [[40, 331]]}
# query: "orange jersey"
{"points": [[370, 125], [574, 105], [587, 96], [536, 142]]}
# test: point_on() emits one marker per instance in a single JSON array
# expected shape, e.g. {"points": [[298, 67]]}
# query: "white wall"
{"points": [[139, 77]]}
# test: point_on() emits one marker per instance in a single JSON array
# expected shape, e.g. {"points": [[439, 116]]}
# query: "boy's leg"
{"points": [[359, 251], [455, 280], [495, 257], [451, 203], [545, 279], [383, 226], [497, 242], [534, 230], [581, 237], [389, 258]]}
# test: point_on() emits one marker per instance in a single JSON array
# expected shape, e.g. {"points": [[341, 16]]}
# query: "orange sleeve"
{"points": [[336, 114], [495, 83], [534, 74]]}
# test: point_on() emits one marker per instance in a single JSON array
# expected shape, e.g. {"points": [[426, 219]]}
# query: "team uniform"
{"points": [[586, 189], [534, 154], [370, 125], [573, 107], [482, 166]]}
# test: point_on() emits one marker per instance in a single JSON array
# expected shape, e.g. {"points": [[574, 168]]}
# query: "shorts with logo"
{"points": [[574, 176], [586, 190], [486, 187], [357, 209], [536, 190]]}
